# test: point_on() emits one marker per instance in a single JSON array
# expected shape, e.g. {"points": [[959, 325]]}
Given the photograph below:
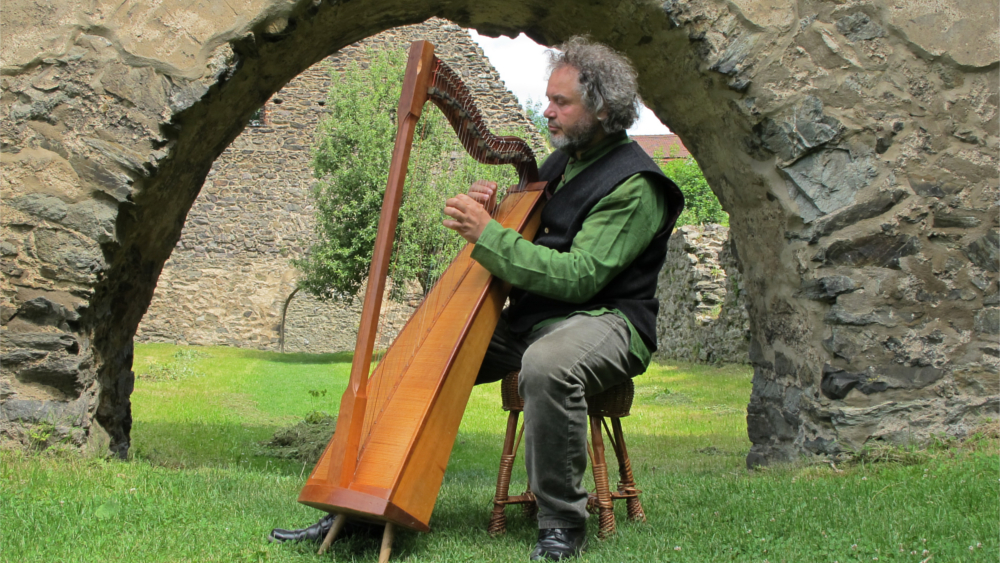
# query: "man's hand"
{"points": [[485, 193], [468, 215]]}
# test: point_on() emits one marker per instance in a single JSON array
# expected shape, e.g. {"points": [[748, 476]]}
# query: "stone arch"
{"points": [[854, 146]]}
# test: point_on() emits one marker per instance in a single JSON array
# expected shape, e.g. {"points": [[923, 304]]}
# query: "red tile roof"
{"points": [[669, 145]]}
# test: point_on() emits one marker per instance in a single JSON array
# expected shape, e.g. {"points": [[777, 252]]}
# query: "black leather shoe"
{"points": [[556, 544], [314, 533]]}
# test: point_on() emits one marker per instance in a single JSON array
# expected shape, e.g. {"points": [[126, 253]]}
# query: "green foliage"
{"points": [[189, 354], [39, 435], [700, 204], [257, 119], [534, 109], [177, 368], [351, 161], [316, 417], [715, 311]]}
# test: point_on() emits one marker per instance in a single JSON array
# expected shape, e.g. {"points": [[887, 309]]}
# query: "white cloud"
{"points": [[522, 66]]}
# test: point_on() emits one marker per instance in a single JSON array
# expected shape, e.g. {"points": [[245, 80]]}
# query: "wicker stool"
{"points": [[613, 403]]}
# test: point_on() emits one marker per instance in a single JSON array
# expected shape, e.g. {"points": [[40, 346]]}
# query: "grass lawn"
{"points": [[199, 489]]}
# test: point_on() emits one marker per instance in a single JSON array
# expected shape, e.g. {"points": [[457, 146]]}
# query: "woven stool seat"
{"points": [[613, 403], [616, 401]]}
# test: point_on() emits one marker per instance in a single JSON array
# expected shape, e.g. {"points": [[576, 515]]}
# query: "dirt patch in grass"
{"points": [[304, 441]]}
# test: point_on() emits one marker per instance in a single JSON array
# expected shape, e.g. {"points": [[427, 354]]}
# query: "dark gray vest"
{"points": [[633, 290]]}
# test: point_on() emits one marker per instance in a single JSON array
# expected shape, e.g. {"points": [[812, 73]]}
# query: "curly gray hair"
{"points": [[607, 80]]}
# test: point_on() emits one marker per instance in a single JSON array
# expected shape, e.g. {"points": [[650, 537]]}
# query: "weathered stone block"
{"points": [[846, 344], [114, 184], [838, 315], [93, 218], [907, 377], [985, 251], [883, 251], [859, 27], [52, 412], [42, 341], [988, 321], [47, 207], [837, 383], [20, 356], [68, 256], [872, 207], [955, 219], [61, 372], [43, 311], [826, 288], [807, 129]]}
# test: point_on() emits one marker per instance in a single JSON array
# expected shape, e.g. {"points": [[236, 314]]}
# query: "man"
{"points": [[582, 316], [583, 312]]}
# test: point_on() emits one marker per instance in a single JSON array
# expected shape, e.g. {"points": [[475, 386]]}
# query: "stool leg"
{"points": [[498, 518], [606, 509], [530, 507], [627, 484]]}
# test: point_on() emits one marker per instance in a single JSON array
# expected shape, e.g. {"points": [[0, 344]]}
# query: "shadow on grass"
{"points": [[475, 458], [299, 357], [192, 445]]}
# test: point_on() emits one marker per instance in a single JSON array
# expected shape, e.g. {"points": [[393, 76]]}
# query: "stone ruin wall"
{"points": [[227, 280], [703, 316], [853, 143]]}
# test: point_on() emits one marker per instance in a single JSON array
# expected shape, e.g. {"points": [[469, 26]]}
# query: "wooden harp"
{"points": [[389, 452]]}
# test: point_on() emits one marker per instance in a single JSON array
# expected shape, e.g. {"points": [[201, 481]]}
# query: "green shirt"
{"points": [[615, 232]]}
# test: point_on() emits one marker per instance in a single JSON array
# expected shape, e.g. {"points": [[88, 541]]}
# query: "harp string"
{"points": [[389, 361]]}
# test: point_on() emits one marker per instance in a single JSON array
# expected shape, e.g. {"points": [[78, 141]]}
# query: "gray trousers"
{"points": [[561, 364]]}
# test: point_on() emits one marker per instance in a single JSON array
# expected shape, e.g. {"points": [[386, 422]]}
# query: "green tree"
{"points": [[700, 203], [351, 161], [533, 109]]}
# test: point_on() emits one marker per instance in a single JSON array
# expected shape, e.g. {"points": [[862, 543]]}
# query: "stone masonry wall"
{"points": [[228, 279], [703, 316]]}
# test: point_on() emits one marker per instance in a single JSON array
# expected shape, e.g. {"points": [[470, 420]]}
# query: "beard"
{"points": [[575, 137]]}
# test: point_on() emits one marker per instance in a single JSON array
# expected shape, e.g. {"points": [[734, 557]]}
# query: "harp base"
{"points": [[359, 505], [338, 524]]}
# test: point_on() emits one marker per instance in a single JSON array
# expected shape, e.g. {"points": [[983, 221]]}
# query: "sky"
{"points": [[521, 63]]}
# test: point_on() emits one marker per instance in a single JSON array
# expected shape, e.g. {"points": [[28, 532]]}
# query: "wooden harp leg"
{"points": [[606, 511], [338, 524], [498, 519], [383, 554]]}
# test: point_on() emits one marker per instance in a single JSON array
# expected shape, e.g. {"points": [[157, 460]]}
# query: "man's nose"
{"points": [[549, 113]]}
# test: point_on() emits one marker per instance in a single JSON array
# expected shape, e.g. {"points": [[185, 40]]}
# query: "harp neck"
{"points": [[447, 91]]}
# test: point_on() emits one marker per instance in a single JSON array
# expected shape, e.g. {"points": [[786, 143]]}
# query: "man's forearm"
{"points": [[574, 276]]}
